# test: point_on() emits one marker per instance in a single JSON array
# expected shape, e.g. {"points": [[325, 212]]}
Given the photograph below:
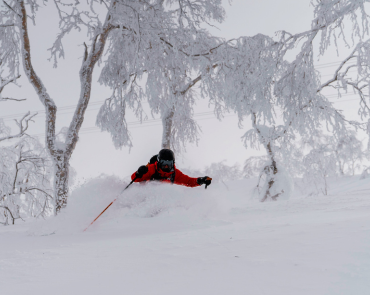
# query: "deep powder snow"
{"points": [[167, 239]]}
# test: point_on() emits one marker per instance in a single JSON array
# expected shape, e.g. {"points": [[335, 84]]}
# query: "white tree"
{"points": [[168, 59], [319, 163], [164, 43], [137, 35], [25, 180], [349, 154], [23, 123], [254, 78], [254, 165]]}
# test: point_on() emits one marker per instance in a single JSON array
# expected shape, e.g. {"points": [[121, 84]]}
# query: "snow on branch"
{"points": [[111, 118], [25, 182], [22, 124], [72, 17], [359, 81], [5, 82], [13, 99]]}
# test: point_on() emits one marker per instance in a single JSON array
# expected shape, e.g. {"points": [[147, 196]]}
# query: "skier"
{"points": [[162, 168]]}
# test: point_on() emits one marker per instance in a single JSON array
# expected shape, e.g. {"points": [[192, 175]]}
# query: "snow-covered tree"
{"points": [[25, 173], [256, 78], [254, 165], [168, 60], [319, 163], [25, 181], [23, 123], [135, 36], [164, 44], [349, 154], [175, 107]]}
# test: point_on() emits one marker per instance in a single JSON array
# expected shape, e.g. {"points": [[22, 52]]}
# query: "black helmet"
{"points": [[166, 160]]}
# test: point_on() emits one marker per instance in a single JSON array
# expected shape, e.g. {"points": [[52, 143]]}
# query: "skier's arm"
{"points": [[182, 179], [144, 173]]}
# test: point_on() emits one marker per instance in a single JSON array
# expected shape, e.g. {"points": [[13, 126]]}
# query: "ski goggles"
{"points": [[163, 163]]}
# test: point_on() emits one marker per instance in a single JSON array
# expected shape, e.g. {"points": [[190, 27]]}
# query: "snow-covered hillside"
{"points": [[168, 240]]}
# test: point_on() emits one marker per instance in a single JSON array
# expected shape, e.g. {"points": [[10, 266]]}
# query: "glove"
{"points": [[204, 180], [141, 171]]}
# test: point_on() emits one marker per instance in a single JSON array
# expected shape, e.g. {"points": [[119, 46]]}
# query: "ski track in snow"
{"points": [[163, 239]]}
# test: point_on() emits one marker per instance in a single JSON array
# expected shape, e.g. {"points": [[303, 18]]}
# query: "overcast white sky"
{"points": [[95, 153]]}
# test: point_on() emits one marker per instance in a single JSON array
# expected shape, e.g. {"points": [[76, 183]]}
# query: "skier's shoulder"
{"points": [[152, 168]]}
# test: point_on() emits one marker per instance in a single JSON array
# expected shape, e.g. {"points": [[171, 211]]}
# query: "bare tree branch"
{"points": [[10, 212], [6, 82], [4, 26], [7, 5], [13, 99]]}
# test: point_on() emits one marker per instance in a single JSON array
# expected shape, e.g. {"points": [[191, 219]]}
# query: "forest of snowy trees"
{"points": [[162, 52]]}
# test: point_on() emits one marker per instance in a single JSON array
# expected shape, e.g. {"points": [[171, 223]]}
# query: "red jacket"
{"points": [[154, 173]]}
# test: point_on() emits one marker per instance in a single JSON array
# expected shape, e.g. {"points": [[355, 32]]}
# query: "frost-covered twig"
{"points": [[12, 99], [25, 184], [22, 125], [10, 212], [5, 82]]}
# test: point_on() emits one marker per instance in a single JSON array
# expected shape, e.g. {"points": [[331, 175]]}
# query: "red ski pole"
{"points": [[110, 204]]}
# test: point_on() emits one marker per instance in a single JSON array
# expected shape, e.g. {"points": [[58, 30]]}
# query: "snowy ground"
{"points": [[163, 239]]}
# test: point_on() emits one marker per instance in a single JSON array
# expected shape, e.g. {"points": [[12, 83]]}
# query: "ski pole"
{"points": [[110, 203]]}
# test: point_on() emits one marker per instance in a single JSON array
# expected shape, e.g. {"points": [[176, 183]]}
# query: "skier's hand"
{"points": [[204, 180], [141, 171]]}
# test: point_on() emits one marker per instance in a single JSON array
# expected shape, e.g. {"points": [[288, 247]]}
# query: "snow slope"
{"points": [[164, 239]]}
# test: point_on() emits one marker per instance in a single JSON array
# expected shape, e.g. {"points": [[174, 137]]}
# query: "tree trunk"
{"points": [[270, 171], [326, 185], [341, 168], [167, 129], [61, 177], [61, 157]]}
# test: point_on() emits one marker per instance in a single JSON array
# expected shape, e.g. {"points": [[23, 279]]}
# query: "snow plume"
{"points": [[86, 202], [155, 198], [150, 200], [220, 172]]}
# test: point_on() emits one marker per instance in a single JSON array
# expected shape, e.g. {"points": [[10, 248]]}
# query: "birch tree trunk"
{"points": [[61, 176], [271, 171], [61, 157], [167, 120]]}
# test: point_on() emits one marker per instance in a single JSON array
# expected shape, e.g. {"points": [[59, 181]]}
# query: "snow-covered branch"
{"points": [[50, 107], [12, 99], [25, 186], [22, 124], [5, 82]]}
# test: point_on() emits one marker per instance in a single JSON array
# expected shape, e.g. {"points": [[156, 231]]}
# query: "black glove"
{"points": [[141, 171], [204, 180]]}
